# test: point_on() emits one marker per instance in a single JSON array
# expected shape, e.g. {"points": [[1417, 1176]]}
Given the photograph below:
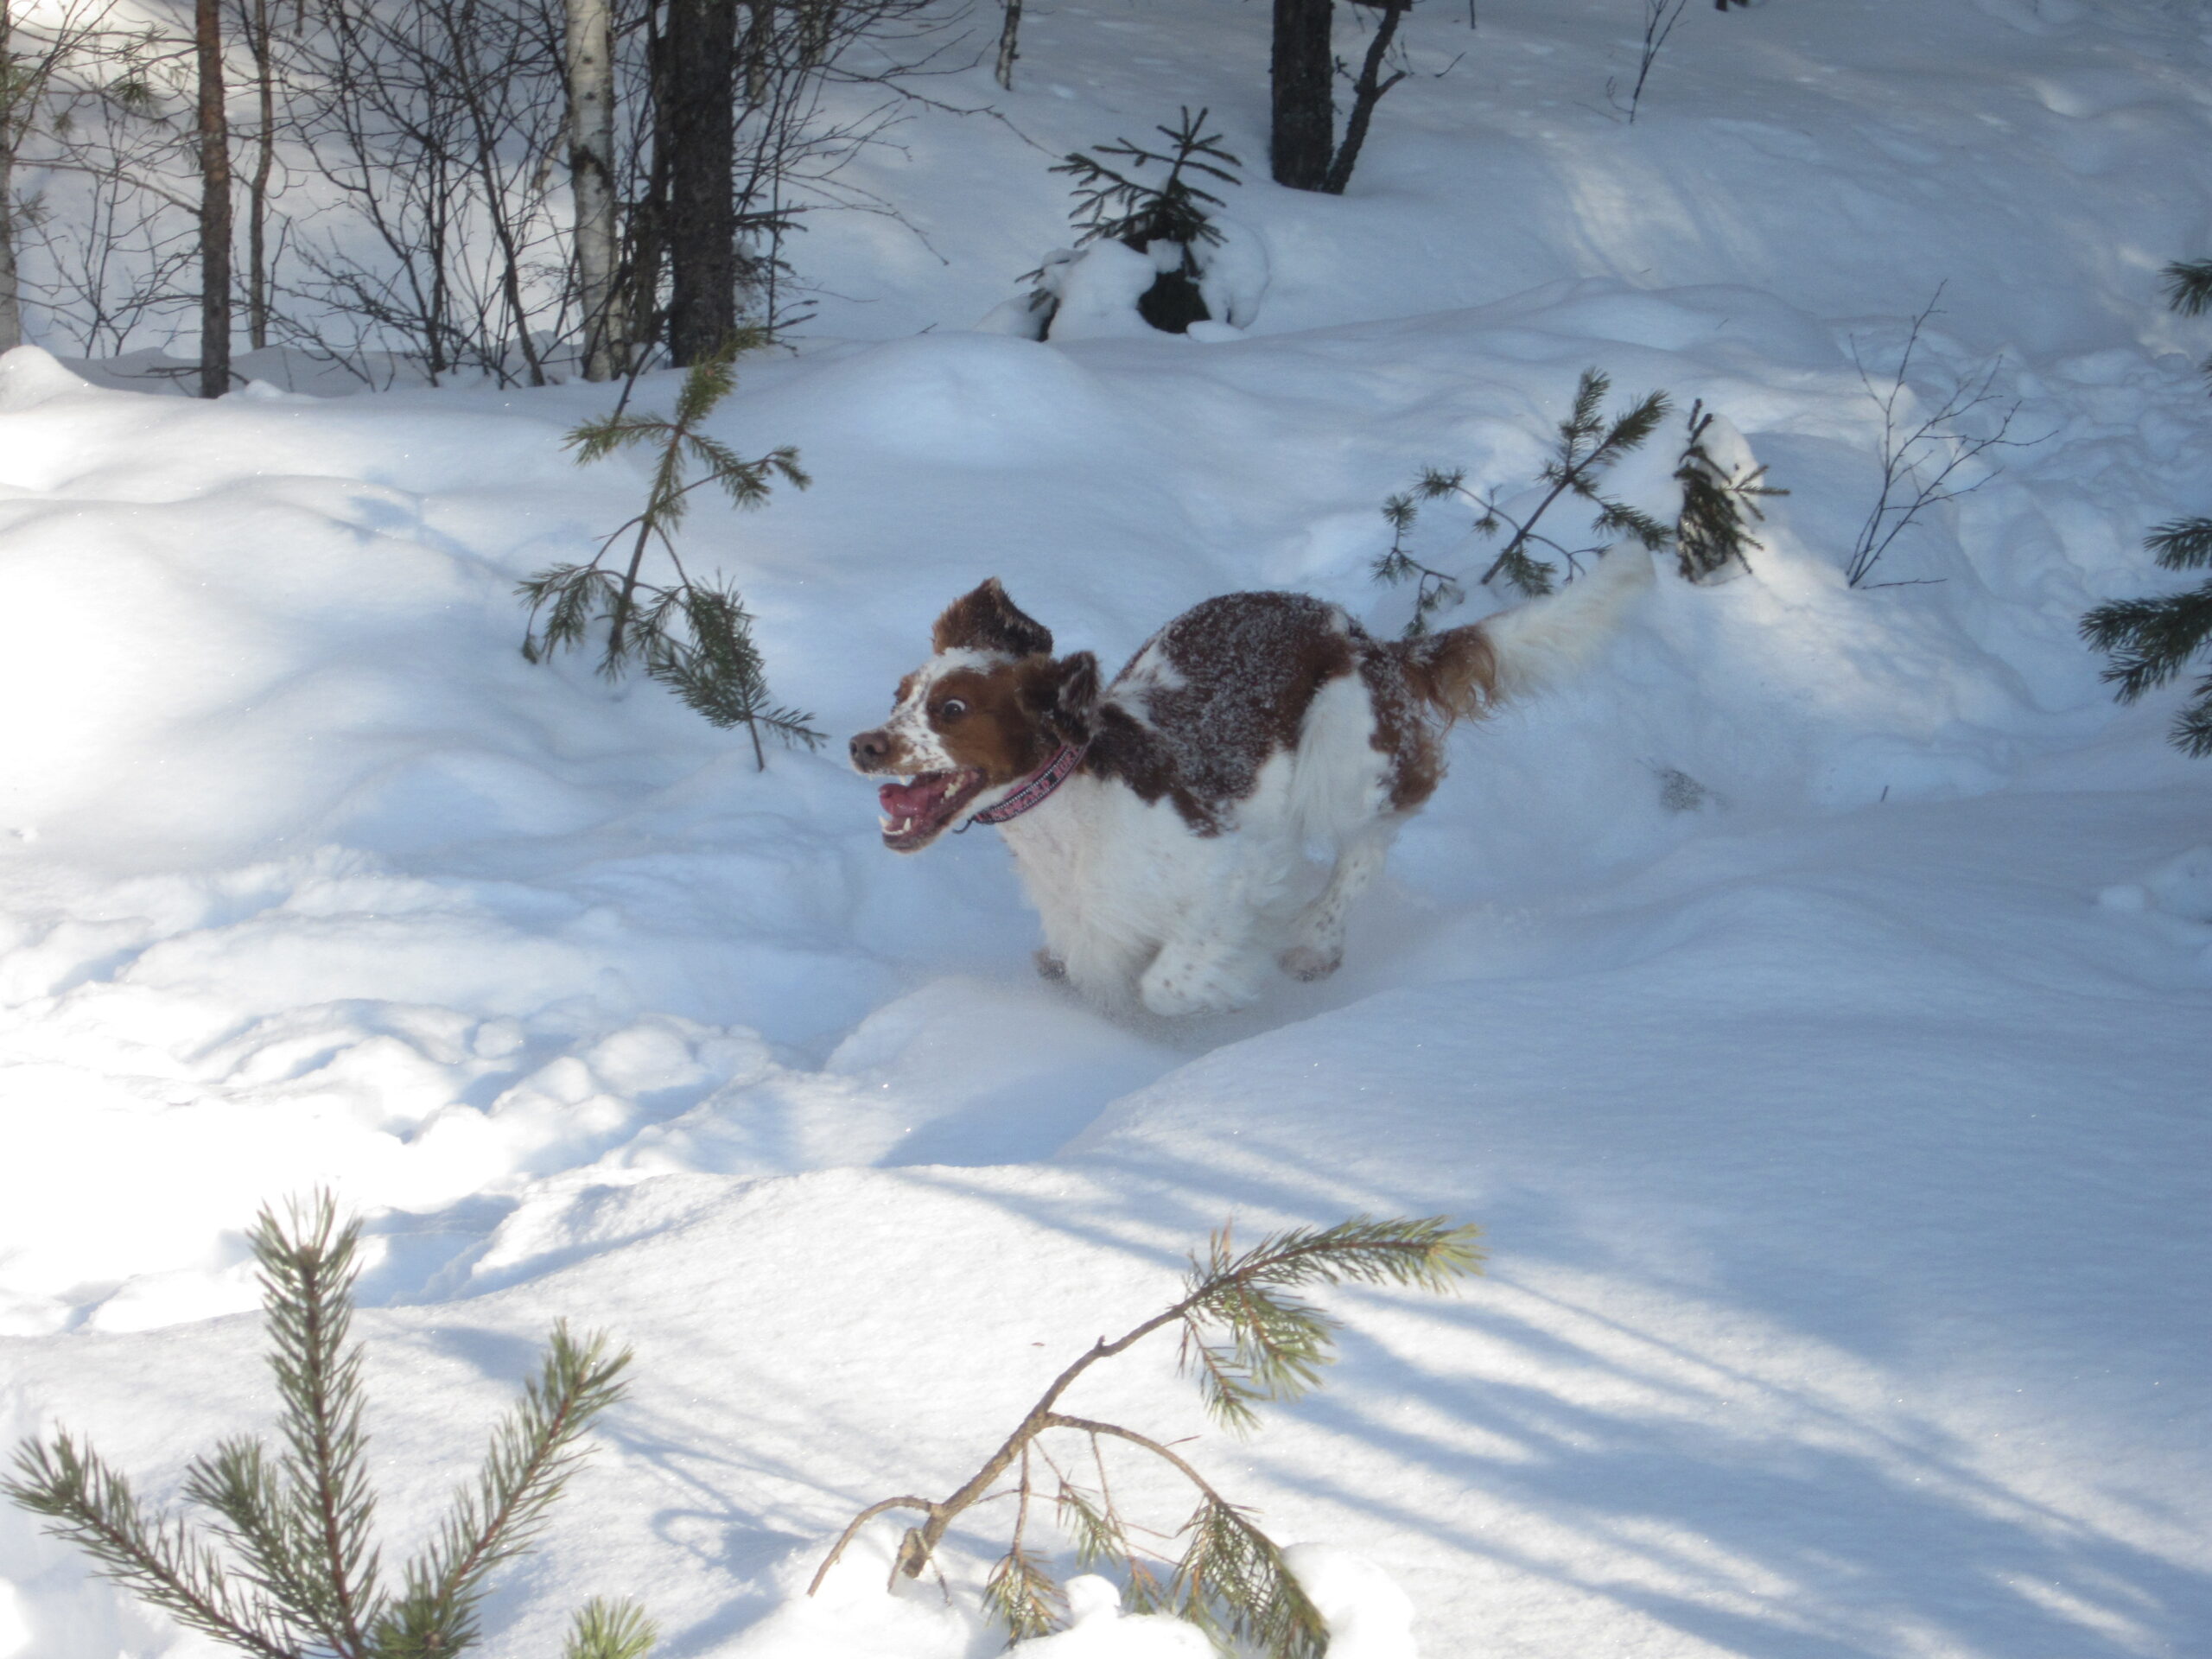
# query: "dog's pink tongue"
{"points": [[907, 800]]}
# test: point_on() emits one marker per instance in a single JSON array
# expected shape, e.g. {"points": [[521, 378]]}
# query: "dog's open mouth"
{"points": [[917, 812]]}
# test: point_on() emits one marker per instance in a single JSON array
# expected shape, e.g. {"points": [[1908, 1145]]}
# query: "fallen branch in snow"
{"points": [[1244, 1341], [306, 1581], [695, 637]]}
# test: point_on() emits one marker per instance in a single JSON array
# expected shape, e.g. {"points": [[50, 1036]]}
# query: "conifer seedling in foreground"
{"points": [[694, 636], [1246, 1338], [302, 1578]]}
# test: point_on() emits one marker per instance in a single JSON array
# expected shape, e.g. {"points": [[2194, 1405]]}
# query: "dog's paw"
{"points": [[1305, 961], [1187, 989], [1048, 965]]}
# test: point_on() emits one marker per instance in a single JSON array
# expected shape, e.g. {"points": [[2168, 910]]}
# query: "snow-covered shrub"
{"points": [[694, 636], [300, 1523], [1722, 484], [1152, 254], [1246, 1338]]}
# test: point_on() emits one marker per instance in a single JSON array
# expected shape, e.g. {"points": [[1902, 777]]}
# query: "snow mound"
{"points": [[29, 377]]}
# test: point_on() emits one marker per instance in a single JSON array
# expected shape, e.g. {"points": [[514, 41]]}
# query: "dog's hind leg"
{"points": [[1317, 936]]}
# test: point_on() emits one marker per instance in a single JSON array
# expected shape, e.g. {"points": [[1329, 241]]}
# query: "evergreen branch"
{"points": [[326, 1508], [2182, 544], [1232, 1578], [532, 1453], [2149, 639], [1095, 1528], [610, 1629], [1023, 1597], [2191, 732], [1713, 529], [91, 1505], [1232, 1583], [237, 1482], [2188, 286], [693, 637]]}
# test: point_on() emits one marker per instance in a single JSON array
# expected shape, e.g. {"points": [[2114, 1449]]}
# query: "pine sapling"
{"points": [[1588, 446], [301, 1577], [1246, 1339], [694, 636], [1168, 218], [1720, 505]]}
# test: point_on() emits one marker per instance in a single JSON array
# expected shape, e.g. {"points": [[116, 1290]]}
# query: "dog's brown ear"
{"points": [[987, 620], [1066, 696]]}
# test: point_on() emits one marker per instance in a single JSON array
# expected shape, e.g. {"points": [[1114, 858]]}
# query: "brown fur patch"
{"points": [[1419, 687], [986, 620], [990, 718], [1229, 685]]}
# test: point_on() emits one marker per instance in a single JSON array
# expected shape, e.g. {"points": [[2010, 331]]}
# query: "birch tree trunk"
{"points": [[264, 162], [591, 175], [215, 203], [12, 125], [1009, 44]]}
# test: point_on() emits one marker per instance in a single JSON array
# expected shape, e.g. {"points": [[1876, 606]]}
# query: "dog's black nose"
{"points": [[869, 749]]}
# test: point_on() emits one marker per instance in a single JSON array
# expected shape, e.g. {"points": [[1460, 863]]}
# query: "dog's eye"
{"points": [[953, 708]]}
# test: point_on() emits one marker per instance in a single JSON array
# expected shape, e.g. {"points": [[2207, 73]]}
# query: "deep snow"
{"points": [[1811, 1002]]}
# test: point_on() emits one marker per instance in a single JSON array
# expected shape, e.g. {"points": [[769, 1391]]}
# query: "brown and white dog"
{"points": [[1159, 821]]}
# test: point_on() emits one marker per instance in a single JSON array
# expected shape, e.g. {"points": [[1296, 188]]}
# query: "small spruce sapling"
{"points": [[1720, 504], [1588, 446], [1168, 220], [694, 636], [302, 1578], [2150, 640], [1246, 1339]]}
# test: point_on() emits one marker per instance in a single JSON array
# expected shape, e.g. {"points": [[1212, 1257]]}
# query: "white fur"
{"points": [[1547, 638], [1132, 898]]}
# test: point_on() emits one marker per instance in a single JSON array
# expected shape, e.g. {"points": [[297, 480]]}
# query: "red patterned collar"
{"points": [[1055, 771]]}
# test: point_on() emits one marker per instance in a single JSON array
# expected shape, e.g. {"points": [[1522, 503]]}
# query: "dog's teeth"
{"points": [[883, 820]]}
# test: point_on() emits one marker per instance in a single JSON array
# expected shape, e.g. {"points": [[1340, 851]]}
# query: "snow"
{"points": [[1810, 1000]]}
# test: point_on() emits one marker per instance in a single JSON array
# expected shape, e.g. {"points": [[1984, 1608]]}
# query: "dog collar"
{"points": [[1055, 771]]}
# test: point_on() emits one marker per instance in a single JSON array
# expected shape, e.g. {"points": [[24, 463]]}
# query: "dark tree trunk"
{"points": [[702, 229], [264, 162], [215, 203], [1367, 93], [1302, 133]]}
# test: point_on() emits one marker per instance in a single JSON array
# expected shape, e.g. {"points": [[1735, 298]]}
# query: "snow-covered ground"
{"points": [[1811, 1003]]}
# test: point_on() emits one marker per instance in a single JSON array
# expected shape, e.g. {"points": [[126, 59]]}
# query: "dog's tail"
{"points": [[1464, 672]]}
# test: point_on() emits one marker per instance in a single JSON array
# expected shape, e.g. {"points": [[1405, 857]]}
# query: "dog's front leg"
{"points": [[1211, 961]]}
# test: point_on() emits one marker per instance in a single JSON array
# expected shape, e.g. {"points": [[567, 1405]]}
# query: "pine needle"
{"points": [[610, 1629]]}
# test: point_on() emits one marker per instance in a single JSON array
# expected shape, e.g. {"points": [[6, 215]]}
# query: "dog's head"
{"points": [[990, 707]]}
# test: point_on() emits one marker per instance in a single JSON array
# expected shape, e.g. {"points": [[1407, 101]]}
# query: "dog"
{"points": [[1160, 823]]}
